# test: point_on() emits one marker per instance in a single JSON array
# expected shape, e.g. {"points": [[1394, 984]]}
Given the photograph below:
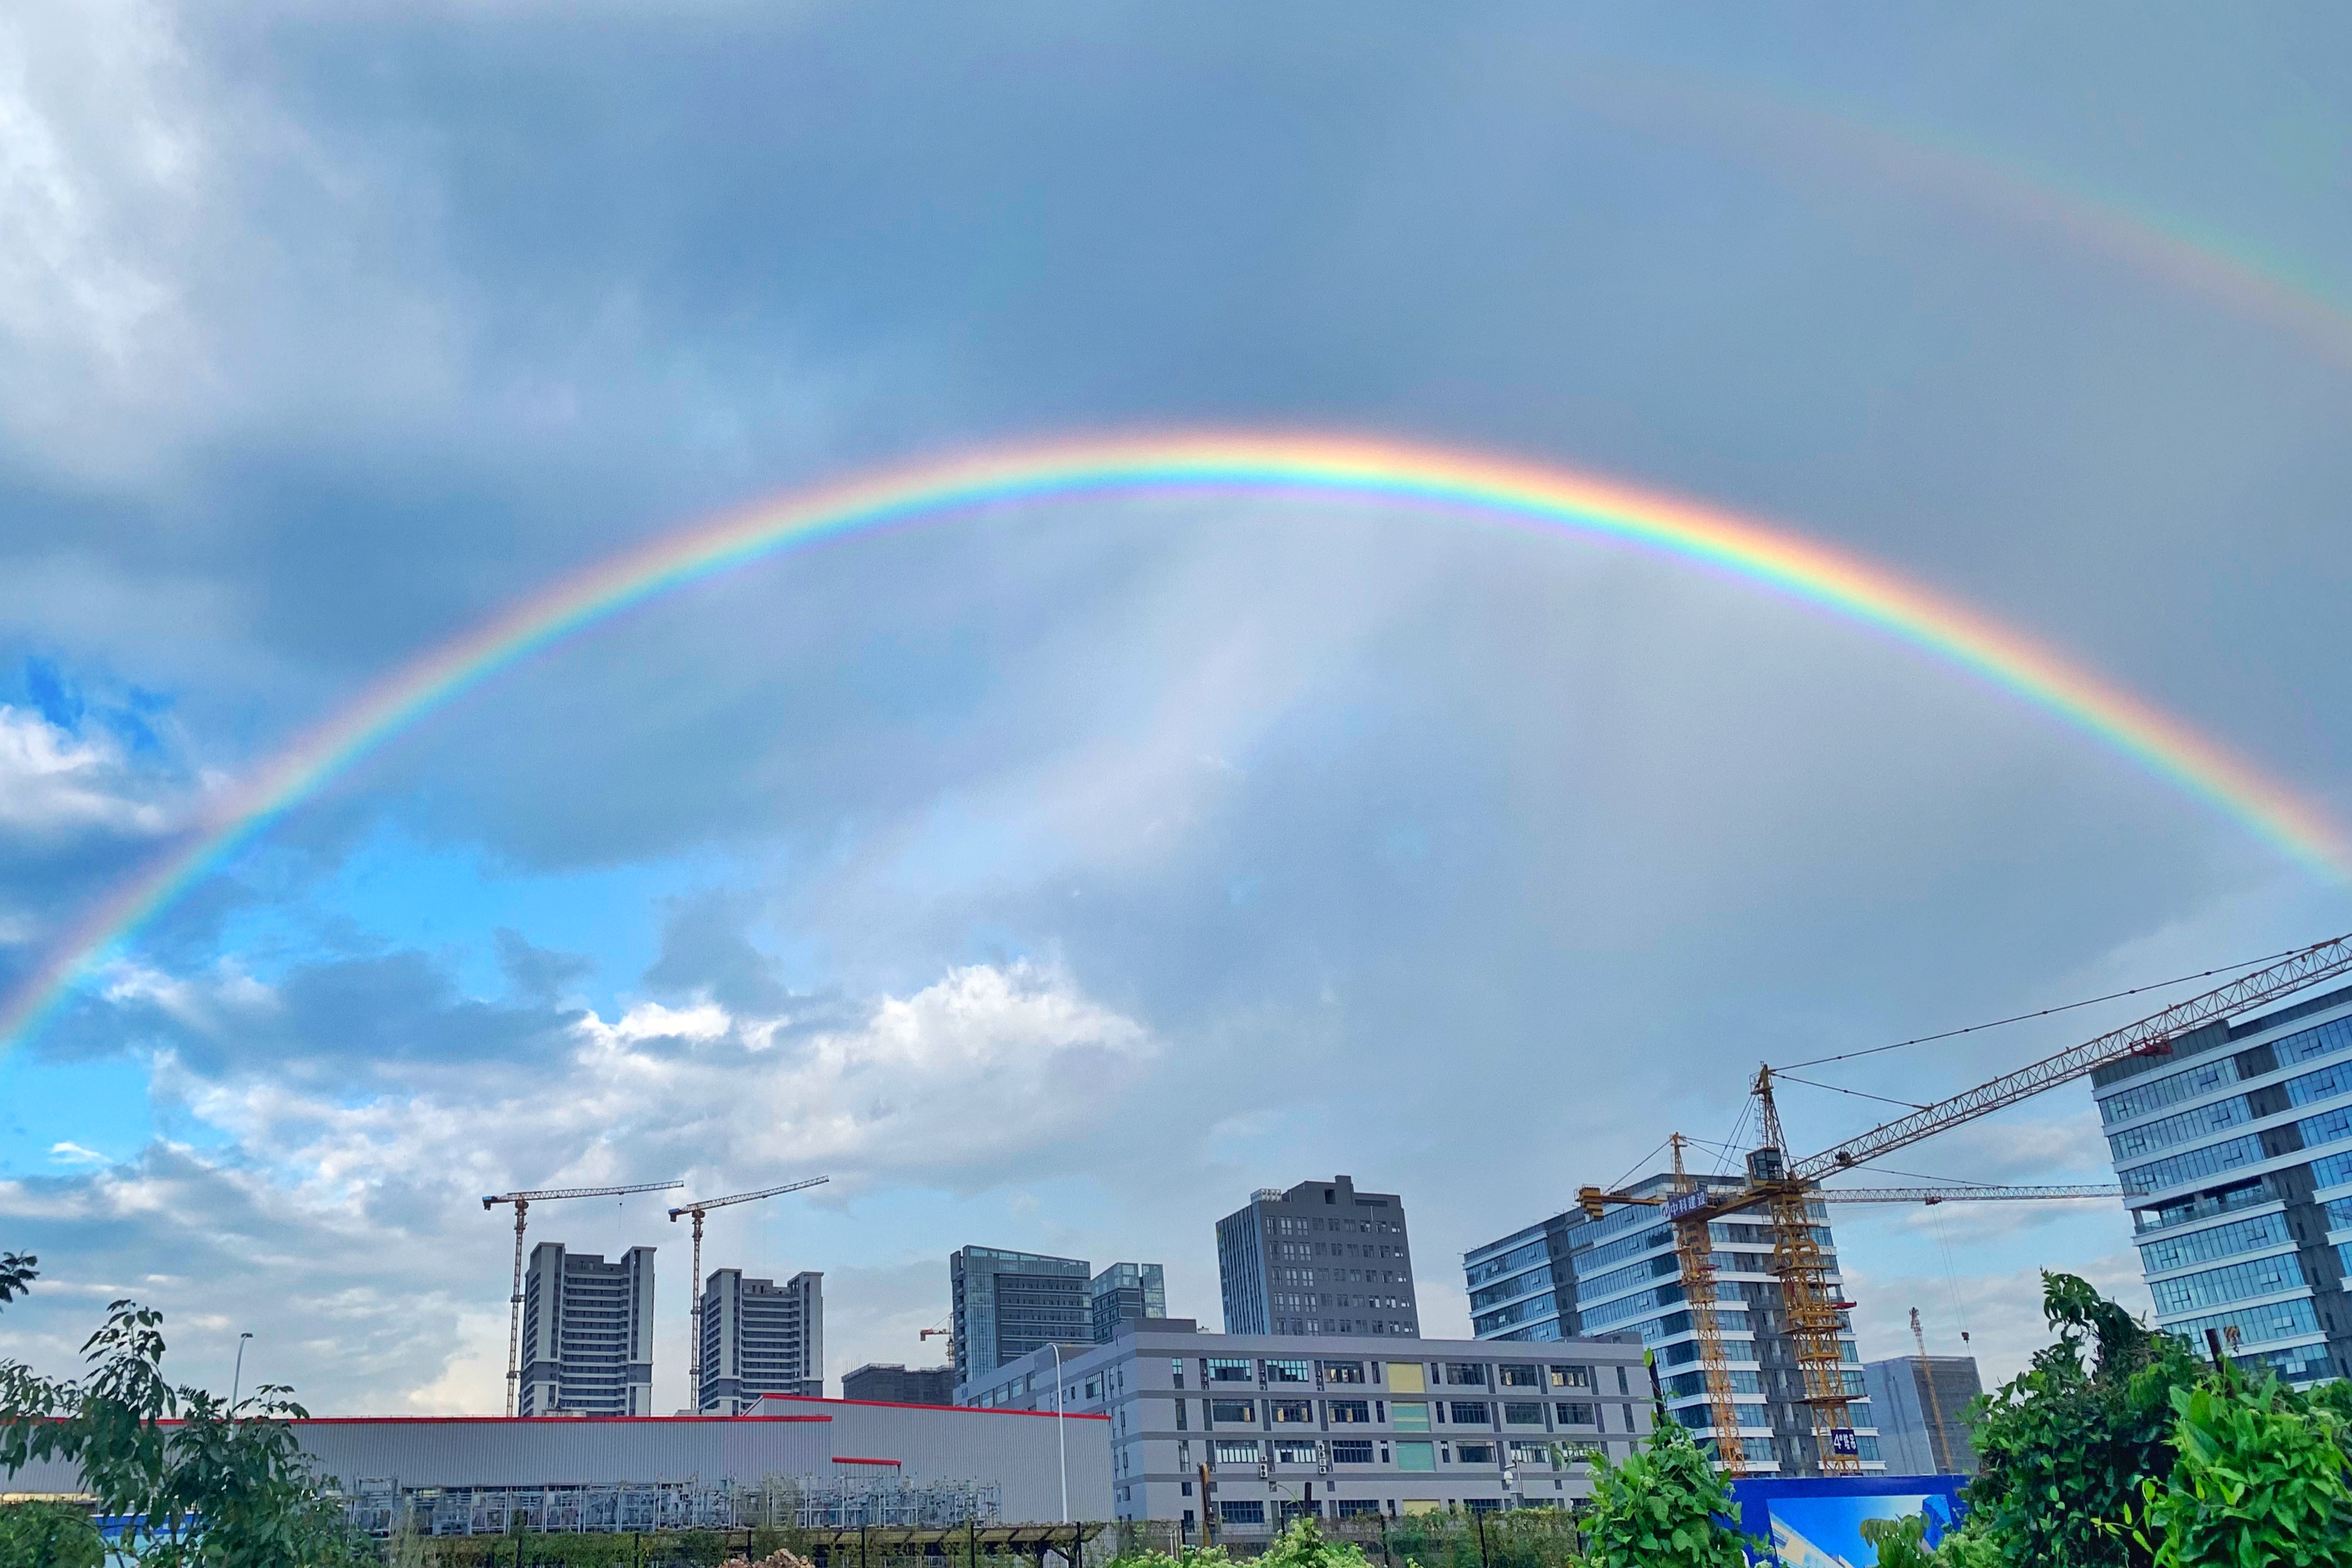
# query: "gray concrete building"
{"points": [[587, 1333], [760, 1338], [893, 1382], [1276, 1427], [2237, 1144], [1621, 1274], [1318, 1258], [1126, 1293], [1921, 1406], [1005, 1304]]}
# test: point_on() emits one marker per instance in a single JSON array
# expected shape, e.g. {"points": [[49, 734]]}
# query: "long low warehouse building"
{"points": [[1018, 1454]]}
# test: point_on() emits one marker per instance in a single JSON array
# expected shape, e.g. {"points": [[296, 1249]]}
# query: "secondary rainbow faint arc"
{"points": [[1498, 490]]}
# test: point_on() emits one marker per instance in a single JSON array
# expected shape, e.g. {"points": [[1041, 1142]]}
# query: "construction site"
{"points": [[1752, 1303]]}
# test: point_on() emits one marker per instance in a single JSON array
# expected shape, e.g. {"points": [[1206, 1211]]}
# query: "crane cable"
{"points": [[2044, 1012]]}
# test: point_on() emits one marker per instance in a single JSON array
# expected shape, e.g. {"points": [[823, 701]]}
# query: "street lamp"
{"points": [[1061, 1429], [237, 1379]]}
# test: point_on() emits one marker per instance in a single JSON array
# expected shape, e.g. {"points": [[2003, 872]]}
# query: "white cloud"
{"points": [[53, 781], [70, 1154]]}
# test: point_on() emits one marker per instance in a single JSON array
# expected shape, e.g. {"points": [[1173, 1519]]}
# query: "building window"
{"points": [[1416, 1456], [1239, 1412], [1342, 1371], [1467, 1411], [1288, 1371], [1517, 1414], [1180, 1413], [1345, 1451], [1569, 1414], [1409, 1416], [1467, 1373], [1571, 1377], [1355, 1507], [1242, 1512], [1234, 1451], [1473, 1453], [1176, 1372], [1349, 1412], [1290, 1412], [1531, 1454], [1483, 1504], [1524, 1374], [1227, 1369], [1296, 1453]]}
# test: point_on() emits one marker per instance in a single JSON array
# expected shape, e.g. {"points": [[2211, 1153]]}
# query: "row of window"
{"points": [[1403, 1414], [2219, 1241], [2308, 1045], [1406, 1456], [2252, 1325], [2231, 1282]]}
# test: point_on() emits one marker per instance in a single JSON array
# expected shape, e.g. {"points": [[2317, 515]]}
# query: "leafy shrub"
{"points": [[49, 1535], [1665, 1508], [2260, 1480]]}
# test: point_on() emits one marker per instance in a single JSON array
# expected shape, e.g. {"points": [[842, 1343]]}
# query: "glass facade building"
{"points": [[2236, 1146], [1006, 1304], [1619, 1274], [1126, 1293]]}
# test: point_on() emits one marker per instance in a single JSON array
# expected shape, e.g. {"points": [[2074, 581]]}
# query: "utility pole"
{"points": [[694, 1294], [522, 1201]]}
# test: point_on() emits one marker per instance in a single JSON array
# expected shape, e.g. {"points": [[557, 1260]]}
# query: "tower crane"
{"points": [[522, 1201], [1783, 1186], [694, 1351]]}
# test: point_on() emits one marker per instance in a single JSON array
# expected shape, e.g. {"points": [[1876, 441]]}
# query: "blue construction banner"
{"points": [[1817, 1523]]}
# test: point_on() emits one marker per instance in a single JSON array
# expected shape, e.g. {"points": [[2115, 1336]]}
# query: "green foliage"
{"points": [[2064, 1446], [16, 1274], [49, 1535], [1303, 1545], [1664, 1508], [219, 1489], [1901, 1542], [2260, 1480]]}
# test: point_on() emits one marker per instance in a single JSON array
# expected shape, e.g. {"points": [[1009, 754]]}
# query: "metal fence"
{"points": [[383, 1508]]}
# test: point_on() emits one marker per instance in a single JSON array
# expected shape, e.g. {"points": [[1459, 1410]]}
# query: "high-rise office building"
{"points": [[1521, 1288], [1622, 1275], [1319, 1258], [1921, 1406], [2237, 1144], [1126, 1293], [760, 1337], [893, 1382], [1005, 1304], [587, 1333]]}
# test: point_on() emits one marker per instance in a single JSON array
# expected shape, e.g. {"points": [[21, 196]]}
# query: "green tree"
{"points": [[2064, 1446], [1302, 1544], [220, 1489], [1664, 1508]]}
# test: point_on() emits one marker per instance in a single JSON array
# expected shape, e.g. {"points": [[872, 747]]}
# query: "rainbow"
{"points": [[1492, 489]]}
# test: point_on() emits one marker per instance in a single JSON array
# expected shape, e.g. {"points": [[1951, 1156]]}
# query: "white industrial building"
{"points": [[1016, 1454], [1277, 1425]]}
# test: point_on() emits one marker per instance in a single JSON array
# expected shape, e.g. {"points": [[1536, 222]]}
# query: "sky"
{"points": [[1052, 877]]}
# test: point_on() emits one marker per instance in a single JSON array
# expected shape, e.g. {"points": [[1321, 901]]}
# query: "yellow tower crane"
{"points": [[1783, 1187]]}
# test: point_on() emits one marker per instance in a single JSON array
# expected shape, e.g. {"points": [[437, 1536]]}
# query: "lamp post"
{"points": [[1061, 1429], [237, 1378]]}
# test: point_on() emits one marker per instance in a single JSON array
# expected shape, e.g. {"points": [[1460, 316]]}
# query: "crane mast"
{"points": [[522, 1201]]}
